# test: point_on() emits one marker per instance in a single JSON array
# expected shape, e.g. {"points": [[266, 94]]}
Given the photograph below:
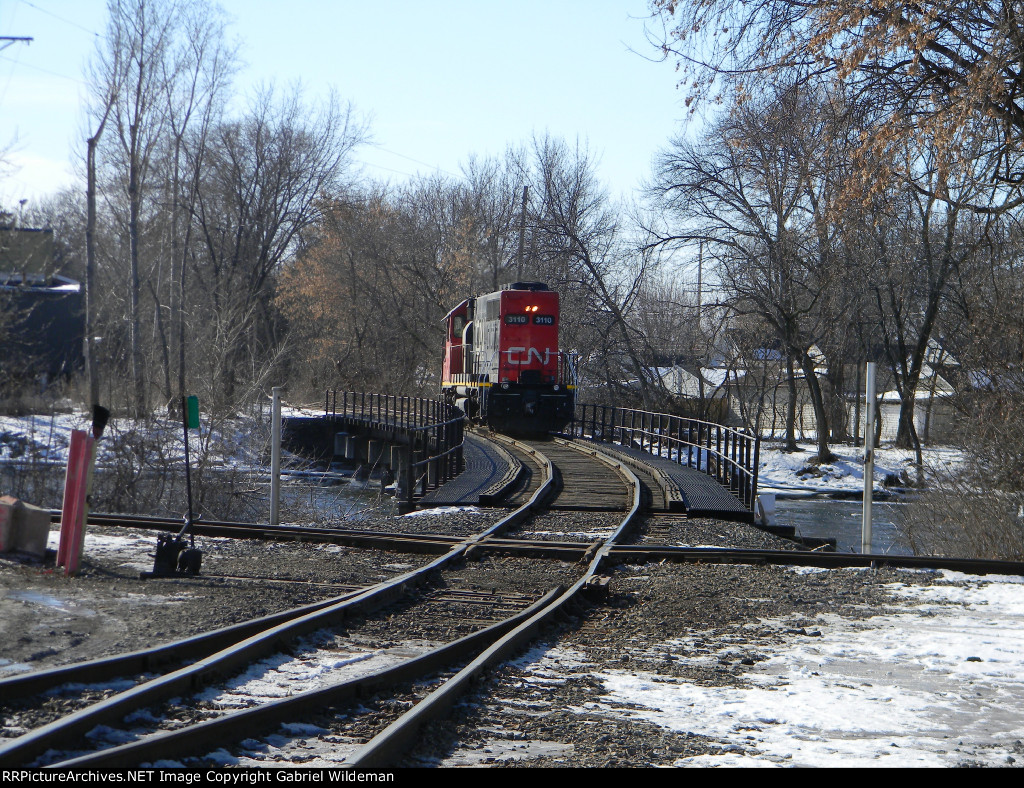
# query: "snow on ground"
{"points": [[130, 549], [40, 438], [445, 510], [793, 473], [563, 536], [314, 666], [935, 683], [46, 439]]}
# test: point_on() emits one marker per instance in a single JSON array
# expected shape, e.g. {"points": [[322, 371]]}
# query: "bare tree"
{"points": [[756, 191], [106, 106], [944, 71], [921, 245], [131, 69], [577, 243], [265, 180], [206, 65]]}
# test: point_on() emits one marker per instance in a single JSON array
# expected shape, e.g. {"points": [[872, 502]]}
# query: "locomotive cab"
{"points": [[502, 360]]}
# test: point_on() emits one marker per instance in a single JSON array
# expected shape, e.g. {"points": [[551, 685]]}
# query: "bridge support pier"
{"points": [[374, 454], [419, 473], [433, 473], [400, 467], [340, 445]]}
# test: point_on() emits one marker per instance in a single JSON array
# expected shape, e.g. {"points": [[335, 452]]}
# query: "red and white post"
{"points": [[77, 486]]}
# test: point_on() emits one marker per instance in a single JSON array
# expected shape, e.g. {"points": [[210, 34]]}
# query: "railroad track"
{"points": [[375, 716], [510, 619]]}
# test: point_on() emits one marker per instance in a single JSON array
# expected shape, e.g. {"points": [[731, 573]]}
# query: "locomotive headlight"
{"points": [[505, 385], [556, 387]]}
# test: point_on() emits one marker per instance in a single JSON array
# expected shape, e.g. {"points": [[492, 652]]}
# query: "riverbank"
{"points": [[798, 475]]}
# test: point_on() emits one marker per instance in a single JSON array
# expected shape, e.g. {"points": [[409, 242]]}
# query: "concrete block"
{"points": [[33, 530], [8, 509], [764, 509], [23, 528]]}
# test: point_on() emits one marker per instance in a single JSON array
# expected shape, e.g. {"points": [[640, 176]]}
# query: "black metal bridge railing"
{"points": [[727, 454], [431, 431]]}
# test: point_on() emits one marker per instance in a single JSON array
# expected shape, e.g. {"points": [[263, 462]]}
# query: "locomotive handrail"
{"points": [[727, 454], [432, 430]]}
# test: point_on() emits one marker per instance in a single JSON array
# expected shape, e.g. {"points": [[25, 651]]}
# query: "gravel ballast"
{"points": [[707, 625]]}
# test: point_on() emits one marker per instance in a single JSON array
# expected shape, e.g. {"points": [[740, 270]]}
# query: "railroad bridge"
{"points": [[686, 465]]}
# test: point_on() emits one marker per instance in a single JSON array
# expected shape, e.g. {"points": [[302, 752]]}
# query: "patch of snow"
{"points": [[302, 729], [446, 510], [312, 667], [566, 535], [788, 472], [935, 684]]}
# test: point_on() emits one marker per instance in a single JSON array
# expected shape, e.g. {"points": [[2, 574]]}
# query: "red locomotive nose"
{"points": [[501, 351]]}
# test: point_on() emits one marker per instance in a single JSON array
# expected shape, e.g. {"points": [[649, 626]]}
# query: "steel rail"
{"points": [[826, 560], [385, 748], [229, 658], [240, 724], [574, 550], [156, 658], [385, 540], [249, 530], [37, 741]]}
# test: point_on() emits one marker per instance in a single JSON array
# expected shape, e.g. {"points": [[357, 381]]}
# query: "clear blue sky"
{"points": [[439, 79]]}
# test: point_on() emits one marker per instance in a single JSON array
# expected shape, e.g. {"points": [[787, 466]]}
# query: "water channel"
{"points": [[815, 516], [841, 520]]}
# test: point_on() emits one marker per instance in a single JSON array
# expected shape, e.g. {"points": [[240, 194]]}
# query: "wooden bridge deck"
{"points": [[700, 494], [488, 469]]}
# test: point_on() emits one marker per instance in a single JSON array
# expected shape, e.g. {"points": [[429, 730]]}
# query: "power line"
{"points": [[9, 40], [388, 169], [62, 19], [43, 70], [417, 161]]}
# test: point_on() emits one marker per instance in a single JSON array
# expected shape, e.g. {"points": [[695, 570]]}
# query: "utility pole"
{"points": [[275, 457], [6, 41], [522, 235], [700, 336], [869, 460]]}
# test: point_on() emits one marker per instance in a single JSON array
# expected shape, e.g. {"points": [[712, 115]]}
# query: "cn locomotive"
{"points": [[502, 365]]}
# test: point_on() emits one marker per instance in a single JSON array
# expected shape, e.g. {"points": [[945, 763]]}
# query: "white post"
{"points": [[275, 458], [869, 461]]}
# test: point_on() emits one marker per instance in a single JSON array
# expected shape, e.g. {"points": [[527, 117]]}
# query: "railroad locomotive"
{"points": [[502, 365]]}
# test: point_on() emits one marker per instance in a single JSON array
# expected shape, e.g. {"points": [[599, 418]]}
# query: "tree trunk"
{"points": [[820, 413], [791, 444], [139, 387]]}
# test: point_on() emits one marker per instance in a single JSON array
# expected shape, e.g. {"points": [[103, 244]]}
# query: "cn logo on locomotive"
{"points": [[530, 354]]}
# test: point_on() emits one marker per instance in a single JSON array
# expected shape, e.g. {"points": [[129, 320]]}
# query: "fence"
{"points": [[727, 454], [429, 432]]}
